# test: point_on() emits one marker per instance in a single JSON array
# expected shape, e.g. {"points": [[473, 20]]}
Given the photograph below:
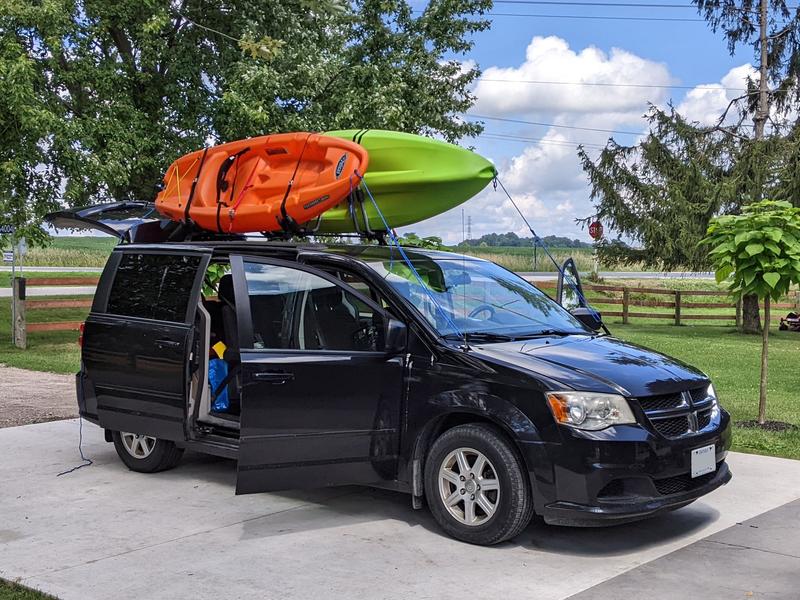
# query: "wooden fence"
{"points": [[628, 298], [22, 305]]}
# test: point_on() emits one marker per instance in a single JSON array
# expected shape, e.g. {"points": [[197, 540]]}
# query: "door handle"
{"points": [[167, 344], [273, 377]]}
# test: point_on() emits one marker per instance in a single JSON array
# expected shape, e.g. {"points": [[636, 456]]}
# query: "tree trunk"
{"points": [[762, 396], [751, 320]]}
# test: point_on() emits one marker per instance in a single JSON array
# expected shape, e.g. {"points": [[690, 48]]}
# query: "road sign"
{"points": [[596, 230], [6, 229], [8, 256]]}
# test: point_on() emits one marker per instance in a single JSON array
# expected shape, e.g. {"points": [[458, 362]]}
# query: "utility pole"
{"points": [[762, 113]]}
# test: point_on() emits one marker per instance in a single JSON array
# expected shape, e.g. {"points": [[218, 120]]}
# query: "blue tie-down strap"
{"points": [[217, 375]]}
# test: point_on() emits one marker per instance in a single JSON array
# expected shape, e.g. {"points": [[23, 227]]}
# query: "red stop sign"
{"points": [[596, 230]]}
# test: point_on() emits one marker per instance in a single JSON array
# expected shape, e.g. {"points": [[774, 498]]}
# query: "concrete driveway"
{"points": [[106, 532]]}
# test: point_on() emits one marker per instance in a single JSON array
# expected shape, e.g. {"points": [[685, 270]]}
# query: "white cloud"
{"points": [[545, 167], [545, 177], [551, 59], [706, 103]]}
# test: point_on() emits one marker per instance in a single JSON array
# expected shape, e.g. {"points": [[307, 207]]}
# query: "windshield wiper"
{"points": [[480, 336], [550, 332]]}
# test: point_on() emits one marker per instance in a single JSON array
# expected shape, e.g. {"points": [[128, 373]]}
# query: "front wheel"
{"points": [[476, 487], [144, 453]]}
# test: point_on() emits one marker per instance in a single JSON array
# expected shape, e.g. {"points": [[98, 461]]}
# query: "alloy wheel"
{"points": [[468, 486], [138, 446]]}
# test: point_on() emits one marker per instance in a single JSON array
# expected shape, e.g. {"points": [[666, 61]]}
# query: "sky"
{"points": [[542, 172], [559, 44]]}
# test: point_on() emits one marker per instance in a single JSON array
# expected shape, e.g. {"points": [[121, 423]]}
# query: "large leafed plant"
{"points": [[758, 252]]}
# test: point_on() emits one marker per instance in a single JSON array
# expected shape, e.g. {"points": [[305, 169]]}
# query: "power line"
{"points": [[609, 4], [604, 4], [523, 139], [599, 17], [523, 122], [606, 84]]}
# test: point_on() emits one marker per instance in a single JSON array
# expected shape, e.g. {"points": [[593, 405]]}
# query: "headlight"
{"points": [[589, 411], [712, 393]]}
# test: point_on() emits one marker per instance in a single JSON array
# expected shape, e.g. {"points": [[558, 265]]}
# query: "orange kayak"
{"points": [[267, 183]]}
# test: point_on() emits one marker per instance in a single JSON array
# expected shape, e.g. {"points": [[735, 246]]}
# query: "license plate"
{"points": [[704, 460]]}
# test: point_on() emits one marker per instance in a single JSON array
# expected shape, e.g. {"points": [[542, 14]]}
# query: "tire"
{"points": [[505, 488], [154, 454]]}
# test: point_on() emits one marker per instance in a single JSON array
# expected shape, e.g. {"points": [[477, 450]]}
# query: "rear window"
{"points": [[153, 286]]}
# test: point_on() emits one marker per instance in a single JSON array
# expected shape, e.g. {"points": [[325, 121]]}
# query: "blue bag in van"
{"points": [[217, 372]]}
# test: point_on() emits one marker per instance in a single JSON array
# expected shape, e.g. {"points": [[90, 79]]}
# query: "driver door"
{"points": [[320, 398]]}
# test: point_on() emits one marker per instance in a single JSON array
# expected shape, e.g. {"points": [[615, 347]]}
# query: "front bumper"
{"points": [[621, 474]]}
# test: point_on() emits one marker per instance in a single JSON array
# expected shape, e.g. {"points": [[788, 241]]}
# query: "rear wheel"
{"points": [[144, 453], [476, 487]]}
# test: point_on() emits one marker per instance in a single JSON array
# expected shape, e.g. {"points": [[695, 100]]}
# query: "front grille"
{"points": [[662, 402], [703, 419], [681, 483], [672, 427], [679, 413], [699, 395]]}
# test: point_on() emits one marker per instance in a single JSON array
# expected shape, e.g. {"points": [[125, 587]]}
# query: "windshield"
{"points": [[476, 297]]}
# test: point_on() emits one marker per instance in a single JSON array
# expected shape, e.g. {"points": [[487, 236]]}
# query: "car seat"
{"points": [[230, 336], [336, 319]]}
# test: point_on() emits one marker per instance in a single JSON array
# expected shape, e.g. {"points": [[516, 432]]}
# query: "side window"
{"points": [[153, 286], [297, 310]]}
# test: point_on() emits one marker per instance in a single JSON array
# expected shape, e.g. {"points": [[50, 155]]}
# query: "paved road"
{"points": [[759, 558], [106, 532]]}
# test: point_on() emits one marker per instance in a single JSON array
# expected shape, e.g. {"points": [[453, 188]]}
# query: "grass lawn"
{"points": [[13, 591], [732, 360], [54, 351]]}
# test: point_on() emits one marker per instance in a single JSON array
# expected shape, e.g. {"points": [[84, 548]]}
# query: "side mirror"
{"points": [[588, 316], [570, 291], [396, 338]]}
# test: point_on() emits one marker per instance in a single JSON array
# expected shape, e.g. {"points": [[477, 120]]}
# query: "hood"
{"points": [[600, 364]]}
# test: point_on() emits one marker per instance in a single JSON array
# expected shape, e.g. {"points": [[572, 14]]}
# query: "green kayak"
{"points": [[411, 177]]}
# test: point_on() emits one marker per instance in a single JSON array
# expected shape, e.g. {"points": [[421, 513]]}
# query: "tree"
{"points": [[513, 240], [431, 242], [760, 251], [662, 192], [653, 192], [28, 185], [105, 95]]}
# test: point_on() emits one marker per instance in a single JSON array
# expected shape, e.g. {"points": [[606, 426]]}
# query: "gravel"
{"points": [[35, 397]]}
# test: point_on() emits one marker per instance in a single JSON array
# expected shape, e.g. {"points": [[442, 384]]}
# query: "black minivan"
{"points": [[443, 376]]}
